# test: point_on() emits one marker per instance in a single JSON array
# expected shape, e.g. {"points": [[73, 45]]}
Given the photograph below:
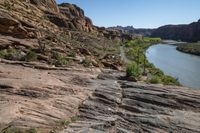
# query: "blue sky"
{"points": [[139, 13]]}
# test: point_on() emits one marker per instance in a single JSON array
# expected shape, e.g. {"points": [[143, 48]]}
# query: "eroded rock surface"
{"points": [[41, 98], [118, 106]]}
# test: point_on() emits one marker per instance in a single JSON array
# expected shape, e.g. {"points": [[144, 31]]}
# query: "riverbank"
{"points": [[139, 68], [191, 48], [184, 67]]}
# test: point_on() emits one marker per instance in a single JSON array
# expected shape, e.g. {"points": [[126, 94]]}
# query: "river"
{"points": [[185, 67]]}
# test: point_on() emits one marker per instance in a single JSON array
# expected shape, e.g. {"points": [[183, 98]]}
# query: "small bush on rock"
{"points": [[59, 59], [132, 70], [30, 56]]}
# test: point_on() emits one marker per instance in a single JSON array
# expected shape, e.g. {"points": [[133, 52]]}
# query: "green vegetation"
{"points": [[10, 54], [135, 51], [72, 54], [3, 53], [168, 80], [152, 40], [71, 120], [30, 56], [154, 80], [192, 48], [87, 63], [132, 70], [59, 59], [18, 130], [142, 42]]}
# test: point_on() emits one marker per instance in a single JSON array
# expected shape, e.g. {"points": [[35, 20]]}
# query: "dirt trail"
{"points": [[123, 55]]}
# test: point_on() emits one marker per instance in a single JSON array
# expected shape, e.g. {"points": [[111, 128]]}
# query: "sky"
{"points": [[139, 13]]}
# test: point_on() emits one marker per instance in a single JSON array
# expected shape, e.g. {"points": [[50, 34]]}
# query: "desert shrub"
{"points": [[30, 56], [132, 69], [154, 80], [71, 120], [87, 63], [11, 54], [60, 59], [155, 71], [18, 130], [3, 53], [72, 54], [168, 80]]}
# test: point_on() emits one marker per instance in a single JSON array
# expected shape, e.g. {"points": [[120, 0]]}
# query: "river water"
{"points": [[185, 67]]}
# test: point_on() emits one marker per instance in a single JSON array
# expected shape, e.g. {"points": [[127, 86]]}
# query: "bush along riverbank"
{"points": [[191, 48], [140, 69]]}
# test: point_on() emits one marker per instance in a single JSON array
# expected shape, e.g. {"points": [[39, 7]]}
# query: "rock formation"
{"points": [[188, 33], [119, 106], [46, 4], [63, 26]]}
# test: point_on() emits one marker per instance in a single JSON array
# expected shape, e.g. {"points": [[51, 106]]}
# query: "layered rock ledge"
{"points": [[119, 106]]}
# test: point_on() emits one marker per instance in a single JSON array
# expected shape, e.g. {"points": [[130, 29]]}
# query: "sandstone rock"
{"points": [[76, 15], [8, 25], [40, 98], [122, 106], [47, 4]]}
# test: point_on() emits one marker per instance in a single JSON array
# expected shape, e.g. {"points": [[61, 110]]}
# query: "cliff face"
{"points": [[23, 18], [76, 17], [188, 33], [63, 28]]}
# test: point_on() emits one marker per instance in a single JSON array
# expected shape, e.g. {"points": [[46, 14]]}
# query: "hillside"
{"points": [[56, 34], [187, 33]]}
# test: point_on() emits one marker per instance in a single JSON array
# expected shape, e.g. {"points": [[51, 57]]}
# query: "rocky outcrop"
{"points": [[40, 98], [11, 26], [50, 98], [46, 4], [188, 33], [76, 17], [119, 106]]}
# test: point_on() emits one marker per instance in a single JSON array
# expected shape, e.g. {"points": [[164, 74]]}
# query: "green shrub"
{"points": [[12, 130], [18, 130], [71, 120], [30, 56], [87, 63], [60, 59], [65, 122], [3, 53], [10, 54], [133, 70], [168, 80], [72, 54], [154, 80]]}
